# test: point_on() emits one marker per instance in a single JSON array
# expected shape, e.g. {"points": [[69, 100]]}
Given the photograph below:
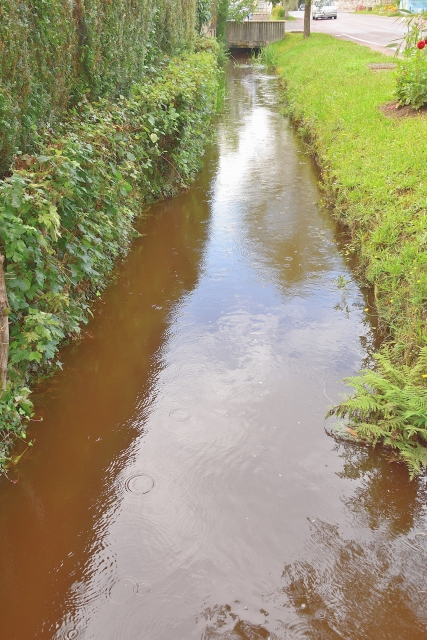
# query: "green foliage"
{"points": [[412, 81], [390, 407], [372, 173], [15, 409], [266, 56], [278, 13], [203, 14], [53, 53], [222, 9], [240, 10], [66, 213], [390, 10], [411, 87]]}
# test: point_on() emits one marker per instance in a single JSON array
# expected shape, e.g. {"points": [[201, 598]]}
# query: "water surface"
{"points": [[183, 485]]}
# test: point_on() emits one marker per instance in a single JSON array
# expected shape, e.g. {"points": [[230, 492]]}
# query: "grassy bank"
{"points": [[374, 173], [67, 212]]}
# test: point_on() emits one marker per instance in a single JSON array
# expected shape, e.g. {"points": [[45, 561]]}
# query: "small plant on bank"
{"points": [[390, 407], [341, 282], [411, 86], [266, 57]]}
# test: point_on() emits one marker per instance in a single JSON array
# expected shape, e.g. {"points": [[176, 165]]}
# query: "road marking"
{"points": [[377, 44]]}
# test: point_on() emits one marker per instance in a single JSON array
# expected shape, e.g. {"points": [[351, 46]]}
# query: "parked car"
{"points": [[324, 9], [301, 7]]}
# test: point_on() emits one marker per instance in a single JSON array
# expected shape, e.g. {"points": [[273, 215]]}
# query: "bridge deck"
{"points": [[253, 33]]}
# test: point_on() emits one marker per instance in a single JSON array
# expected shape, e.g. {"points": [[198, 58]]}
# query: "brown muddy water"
{"points": [[183, 485]]}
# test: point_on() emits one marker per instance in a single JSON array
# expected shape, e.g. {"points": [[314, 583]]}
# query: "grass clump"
{"points": [[374, 172]]}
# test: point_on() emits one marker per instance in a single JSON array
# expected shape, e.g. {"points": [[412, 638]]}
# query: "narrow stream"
{"points": [[183, 485]]}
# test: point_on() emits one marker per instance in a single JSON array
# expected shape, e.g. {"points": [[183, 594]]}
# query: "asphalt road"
{"points": [[372, 31]]}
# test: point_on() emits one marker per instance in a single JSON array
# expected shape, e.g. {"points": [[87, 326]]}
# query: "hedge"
{"points": [[54, 52], [67, 212]]}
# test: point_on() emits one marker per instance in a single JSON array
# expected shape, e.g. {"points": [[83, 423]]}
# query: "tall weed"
{"points": [[266, 56]]}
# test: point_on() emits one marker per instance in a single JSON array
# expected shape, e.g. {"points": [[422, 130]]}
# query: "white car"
{"points": [[325, 9]]}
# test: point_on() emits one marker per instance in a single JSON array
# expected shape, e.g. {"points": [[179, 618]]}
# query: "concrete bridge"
{"points": [[254, 33]]}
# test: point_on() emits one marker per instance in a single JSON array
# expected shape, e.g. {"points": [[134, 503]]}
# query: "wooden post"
{"points": [[307, 17], [4, 328]]}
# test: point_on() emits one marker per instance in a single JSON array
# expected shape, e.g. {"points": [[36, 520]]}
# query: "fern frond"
{"points": [[389, 405]]}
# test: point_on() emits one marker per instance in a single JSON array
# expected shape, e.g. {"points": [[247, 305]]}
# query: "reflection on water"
{"points": [[183, 485]]}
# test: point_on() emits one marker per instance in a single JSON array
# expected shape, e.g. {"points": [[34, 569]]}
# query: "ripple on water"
{"points": [[265, 447], [189, 369], [139, 484], [321, 614], [143, 589], [102, 571], [193, 527], [420, 539], [179, 415], [78, 587], [185, 320], [71, 631], [124, 589], [300, 629], [193, 449], [223, 463]]}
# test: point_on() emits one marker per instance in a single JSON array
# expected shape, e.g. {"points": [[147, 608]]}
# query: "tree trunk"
{"points": [[307, 16], [4, 328]]}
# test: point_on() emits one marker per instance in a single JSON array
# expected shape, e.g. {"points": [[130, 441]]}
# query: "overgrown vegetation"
{"points": [[67, 210], [375, 176], [412, 73], [391, 10], [278, 13], [54, 53], [240, 10], [222, 9], [390, 406]]}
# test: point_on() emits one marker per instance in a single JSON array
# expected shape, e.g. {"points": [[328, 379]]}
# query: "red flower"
{"points": [[421, 44]]}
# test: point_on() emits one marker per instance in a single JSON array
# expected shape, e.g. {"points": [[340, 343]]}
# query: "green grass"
{"points": [[374, 172]]}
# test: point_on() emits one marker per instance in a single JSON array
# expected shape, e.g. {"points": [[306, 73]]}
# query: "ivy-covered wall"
{"points": [[53, 53]]}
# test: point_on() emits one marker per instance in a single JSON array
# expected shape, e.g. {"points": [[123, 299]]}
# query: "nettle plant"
{"points": [[411, 86]]}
